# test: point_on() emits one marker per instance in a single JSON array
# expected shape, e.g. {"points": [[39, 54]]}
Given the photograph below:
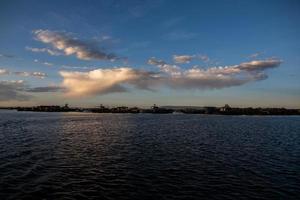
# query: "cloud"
{"points": [[4, 71], [259, 65], [189, 58], [44, 63], [6, 55], [20, 91], [203, 58], [102, 81], [33, 74], [154, 61], [13, 90], [164, 67], [40, 75], [46, 89], [182, 58], [43, 50], [255, 55], [72, 46], [47, 63]]}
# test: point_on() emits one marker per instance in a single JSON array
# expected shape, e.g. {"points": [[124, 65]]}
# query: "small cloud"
{"points": [[189, 58], [154, 61], [183, 58], [255, 55], [259, 65], [40, 75], [44, 63], [76, 67], [4, 71], [47, 63], [44, 50], [70, 45], [203, 58], [6, 55]]}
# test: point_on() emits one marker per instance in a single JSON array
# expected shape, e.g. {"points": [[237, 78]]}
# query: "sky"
{"points": [[139, 53]]}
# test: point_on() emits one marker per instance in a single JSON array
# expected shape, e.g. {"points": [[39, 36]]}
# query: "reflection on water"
{"points": [[145, 156]]}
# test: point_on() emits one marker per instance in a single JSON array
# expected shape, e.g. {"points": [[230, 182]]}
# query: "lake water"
{"points": [[148, 156]]}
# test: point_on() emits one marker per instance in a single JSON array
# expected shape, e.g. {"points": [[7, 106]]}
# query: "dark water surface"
{"points": [[146, 156]]}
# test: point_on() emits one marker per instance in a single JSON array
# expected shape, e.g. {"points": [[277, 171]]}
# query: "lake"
{"points": [[148, 156]]}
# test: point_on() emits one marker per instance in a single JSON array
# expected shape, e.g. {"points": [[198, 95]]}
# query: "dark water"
{"points": [[145, 156]]}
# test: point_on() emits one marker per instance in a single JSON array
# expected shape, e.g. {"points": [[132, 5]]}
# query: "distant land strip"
{"points": [[225, 110]]}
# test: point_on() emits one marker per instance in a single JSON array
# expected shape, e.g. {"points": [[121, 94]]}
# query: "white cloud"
{"points": [[47, 63], [189, 58], [260, 64], [72, 46], [4, 71], [103, 81], [44, 63], [255, 55], [183, 58], [40, 75], [154, 61], [44, 50]]}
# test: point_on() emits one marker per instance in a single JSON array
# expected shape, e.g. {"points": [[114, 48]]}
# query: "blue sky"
{"points": [[244, 53]]}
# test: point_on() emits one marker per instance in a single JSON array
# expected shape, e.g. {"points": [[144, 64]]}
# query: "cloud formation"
{"points": [[43, 50], [13, 90], [102, 81], [189, 58], [53, 88], [6, 55], [4, 72], [40, 75], [182, 58], [70, 45]]}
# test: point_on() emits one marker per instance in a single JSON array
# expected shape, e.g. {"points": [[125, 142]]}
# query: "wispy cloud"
{"points": [[154, 61], [77, 67], [189, 58], [43, 50], [45, 89], [255, 55], [6, 55], [13, 90], [4, 71], [183, 58], [172, 22], [70, 45], [40, 75], [102, 81], [44, 63], [19, 90]]}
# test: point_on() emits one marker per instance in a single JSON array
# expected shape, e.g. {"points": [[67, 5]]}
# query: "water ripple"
{"points": [[144, 156]]}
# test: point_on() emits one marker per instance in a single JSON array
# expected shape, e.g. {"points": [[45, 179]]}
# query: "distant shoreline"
{"points": [[208, 110]]}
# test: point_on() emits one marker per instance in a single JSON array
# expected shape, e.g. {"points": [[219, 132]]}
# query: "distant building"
{"points": [[226, 108]]}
